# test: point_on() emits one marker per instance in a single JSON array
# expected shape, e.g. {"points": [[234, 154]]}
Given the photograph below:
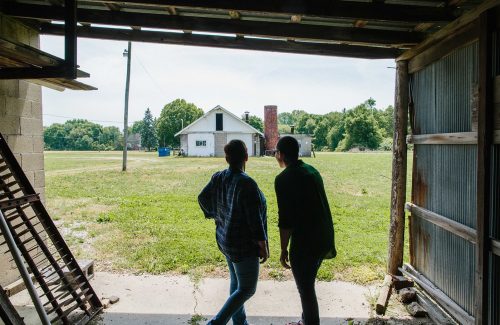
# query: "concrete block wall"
{"points": [[21, 124]]}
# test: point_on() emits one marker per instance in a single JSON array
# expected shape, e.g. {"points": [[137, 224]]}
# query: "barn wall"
{"points": [[207, 151], [21, 124], [444, 179], [245, 137]]}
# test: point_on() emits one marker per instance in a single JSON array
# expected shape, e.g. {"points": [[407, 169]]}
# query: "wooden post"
{"points": [[487, 22], [398, 190]]}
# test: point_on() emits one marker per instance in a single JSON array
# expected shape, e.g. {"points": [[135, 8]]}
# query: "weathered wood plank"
{"points": [[463, 37], [319, 8], [228, 42], [452, 307], [495, 247], [454, 227], [8, 313], [443, 138], [399, 157], [488, 20], [226, 26], [449, 29], [385, 294]]}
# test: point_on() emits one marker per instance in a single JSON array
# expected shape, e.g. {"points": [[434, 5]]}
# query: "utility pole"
{"points": [[127, 53]]}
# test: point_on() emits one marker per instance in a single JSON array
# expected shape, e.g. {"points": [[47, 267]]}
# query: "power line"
{"points": [[150, 76], [81, 118]]}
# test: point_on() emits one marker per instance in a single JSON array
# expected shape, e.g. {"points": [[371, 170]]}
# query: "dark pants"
{"points": [[305, 268]]}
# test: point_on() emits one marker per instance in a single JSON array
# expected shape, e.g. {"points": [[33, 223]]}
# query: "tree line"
{"points": [[363, 126]]}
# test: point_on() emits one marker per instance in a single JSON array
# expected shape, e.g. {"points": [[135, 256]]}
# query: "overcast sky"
{"points": [[235, 79]]}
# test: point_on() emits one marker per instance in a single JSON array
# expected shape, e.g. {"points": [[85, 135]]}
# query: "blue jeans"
{"points": [[305, 268], [244, 275]]}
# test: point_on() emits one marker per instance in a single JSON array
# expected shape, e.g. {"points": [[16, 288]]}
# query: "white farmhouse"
{"points": [[207, 136]]}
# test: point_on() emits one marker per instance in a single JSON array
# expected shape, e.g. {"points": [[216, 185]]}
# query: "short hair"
{"points": [[236, 152], [289, 147]]}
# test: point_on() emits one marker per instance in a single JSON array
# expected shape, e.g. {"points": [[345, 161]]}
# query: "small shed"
{"points": [[305, 143]]}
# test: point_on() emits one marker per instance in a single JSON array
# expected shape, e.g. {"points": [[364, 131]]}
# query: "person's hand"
{"points": [[284, 259], [263, 251]]}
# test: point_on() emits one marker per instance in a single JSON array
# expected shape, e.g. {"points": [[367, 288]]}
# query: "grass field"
{"points": [[148, 219]]}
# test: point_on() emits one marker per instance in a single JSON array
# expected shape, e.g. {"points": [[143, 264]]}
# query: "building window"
{"points": [[201, 143], [218, 122]]}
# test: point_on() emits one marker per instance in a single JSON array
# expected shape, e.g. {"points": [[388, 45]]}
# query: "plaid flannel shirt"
{"points": [[238, 207]]}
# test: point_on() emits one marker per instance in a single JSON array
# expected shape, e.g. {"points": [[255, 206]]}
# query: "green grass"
{"points": [[148, 219]]}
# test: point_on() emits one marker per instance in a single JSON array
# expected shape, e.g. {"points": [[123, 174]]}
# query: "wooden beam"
{"points": [[485, 139], [398, 190], [70, 43], [449, 29], [454, 227], [443, 138], [227, 26], [227, 42], [8, 313], [318, 8], [465, 36], [495, 247], [452, 307], [385, 294]]}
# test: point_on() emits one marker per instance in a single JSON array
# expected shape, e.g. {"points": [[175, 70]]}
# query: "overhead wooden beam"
{"points": [[227, 42], [463, 37], [449, 29], [228, 26], [319, 8]]}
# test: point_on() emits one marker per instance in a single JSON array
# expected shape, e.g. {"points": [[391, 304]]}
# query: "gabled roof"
{"points": [[218, 107]]}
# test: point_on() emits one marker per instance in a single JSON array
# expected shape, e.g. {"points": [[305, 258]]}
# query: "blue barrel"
{"points": [[163, 152]]}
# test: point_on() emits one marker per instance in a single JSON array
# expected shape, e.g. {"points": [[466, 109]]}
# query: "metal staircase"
{"points": [[63, 294]]}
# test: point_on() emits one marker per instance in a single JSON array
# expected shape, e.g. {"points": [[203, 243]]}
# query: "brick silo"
{"points": [[271, 126]]}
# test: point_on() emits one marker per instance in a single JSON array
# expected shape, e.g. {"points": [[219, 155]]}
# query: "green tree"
{"points": [[137, 127], [285, 118], [81, 134], [255, 121], [148, 132], [171, 118]]}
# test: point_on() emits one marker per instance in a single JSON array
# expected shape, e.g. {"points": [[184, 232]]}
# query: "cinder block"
{"points": [[20, 143], [38, 144], [31, 176], [30, 91], [36, 110], [31, 126], [39, 178], [9, 88], [32, 162], [10, 125], [41, 192], [17, 107]]}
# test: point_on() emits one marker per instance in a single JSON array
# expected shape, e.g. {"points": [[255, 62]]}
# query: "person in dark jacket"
{"points": [[304, 217], [235, 202]]}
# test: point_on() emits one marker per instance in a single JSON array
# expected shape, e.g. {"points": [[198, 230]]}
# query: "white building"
{"points": [[207, 136]]}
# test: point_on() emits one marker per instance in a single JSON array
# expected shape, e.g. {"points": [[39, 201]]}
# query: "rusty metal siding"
{"points": [[442, 92], [445, 178], [445, 183]]}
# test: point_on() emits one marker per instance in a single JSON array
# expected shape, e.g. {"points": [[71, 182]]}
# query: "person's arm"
{"points": [[205, 200], [252, 206], [287, 211], [285, 235]]}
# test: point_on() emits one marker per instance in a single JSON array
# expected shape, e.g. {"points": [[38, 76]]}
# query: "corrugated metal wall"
{"points": [[445, 175]]}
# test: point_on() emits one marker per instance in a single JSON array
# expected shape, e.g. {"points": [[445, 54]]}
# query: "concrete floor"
{"points": [[152, 299]]}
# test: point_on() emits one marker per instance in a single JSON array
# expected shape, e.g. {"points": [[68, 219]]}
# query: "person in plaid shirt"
{"points": [[235, 202]]}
